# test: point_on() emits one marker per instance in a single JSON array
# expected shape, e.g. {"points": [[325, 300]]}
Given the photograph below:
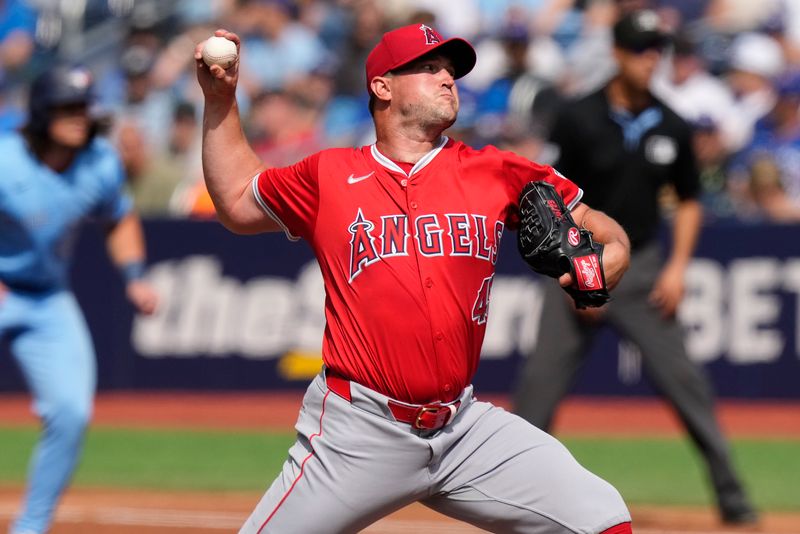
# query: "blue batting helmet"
{"points": [[60, 86]]}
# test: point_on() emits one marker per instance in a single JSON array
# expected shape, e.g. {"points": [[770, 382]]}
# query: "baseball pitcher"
{"points": [[406, 232]]}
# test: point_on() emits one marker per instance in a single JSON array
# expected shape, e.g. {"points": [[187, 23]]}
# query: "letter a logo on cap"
{"points": [[431, 37]]}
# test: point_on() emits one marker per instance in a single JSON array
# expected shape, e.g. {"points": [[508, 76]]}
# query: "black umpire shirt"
{"points": [[621, 160]]}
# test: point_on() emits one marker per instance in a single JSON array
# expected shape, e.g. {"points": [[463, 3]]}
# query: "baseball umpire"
{"points": [[406, 232], [622, 145]]}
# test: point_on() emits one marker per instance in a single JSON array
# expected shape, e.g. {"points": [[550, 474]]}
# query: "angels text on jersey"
{"points": [[453, 234]]}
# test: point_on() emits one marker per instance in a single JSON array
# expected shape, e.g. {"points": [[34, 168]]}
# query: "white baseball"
{"points": [[219, 51]]}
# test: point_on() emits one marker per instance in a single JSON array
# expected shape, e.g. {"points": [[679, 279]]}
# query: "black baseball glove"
{"points": [[553, 245]]}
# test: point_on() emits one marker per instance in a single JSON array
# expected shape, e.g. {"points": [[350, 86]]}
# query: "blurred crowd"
{"points": [[732, 71]]}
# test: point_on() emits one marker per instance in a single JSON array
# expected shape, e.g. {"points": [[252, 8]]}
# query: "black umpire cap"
{"points": [[639, 31]]}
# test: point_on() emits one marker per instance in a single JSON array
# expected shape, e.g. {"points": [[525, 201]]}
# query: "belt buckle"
{"points": [[438, 409]]}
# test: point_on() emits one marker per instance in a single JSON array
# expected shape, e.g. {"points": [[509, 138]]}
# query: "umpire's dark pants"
{"points": [[564, 341]]}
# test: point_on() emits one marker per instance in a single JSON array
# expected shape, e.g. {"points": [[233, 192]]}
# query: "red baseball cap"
{"points": [[404, 45]]}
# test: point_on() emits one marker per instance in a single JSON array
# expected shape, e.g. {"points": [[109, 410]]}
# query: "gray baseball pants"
{"points": [[353, 463]]}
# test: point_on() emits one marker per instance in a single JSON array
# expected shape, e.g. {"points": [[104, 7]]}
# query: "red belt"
{"points": [[421, 416]]}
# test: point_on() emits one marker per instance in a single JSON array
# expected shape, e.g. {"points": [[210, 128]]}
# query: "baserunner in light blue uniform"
{"points": [[55, 175]]}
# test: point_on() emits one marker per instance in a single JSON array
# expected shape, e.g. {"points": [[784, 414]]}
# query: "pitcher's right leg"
{"points": [[347, 469]]}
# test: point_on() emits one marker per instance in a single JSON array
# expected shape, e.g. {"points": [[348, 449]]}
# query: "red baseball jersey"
{"points": [[407, 258]]}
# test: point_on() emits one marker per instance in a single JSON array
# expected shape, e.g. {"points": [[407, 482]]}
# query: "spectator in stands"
{"points": [[493, 13], [775, 27], [17, 26], [190, 13], [284, 127], [177, 162], [347, 119], [685, 84], [145, 105], [735, 16], [171, 68], [769, 168], [755, 61], [279, 48], [712, 163], [590, 62], [464, 20], [688, 13], [541, 55], [329, 20], [142, 114], [133, 151], [519, 105], [768, 192], [128, 128], [317, 91], [493, 103], [366, 28]]}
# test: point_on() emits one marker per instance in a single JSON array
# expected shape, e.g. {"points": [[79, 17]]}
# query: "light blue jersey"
{"points": [[41, 210], [40, 214]]}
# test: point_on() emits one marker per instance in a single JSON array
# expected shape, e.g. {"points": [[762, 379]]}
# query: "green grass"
{"points": [[646, 471], [166, 459], [670, 470]]}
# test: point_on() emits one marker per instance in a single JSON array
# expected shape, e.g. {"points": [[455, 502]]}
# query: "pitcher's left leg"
{"points": [[505, 475]]}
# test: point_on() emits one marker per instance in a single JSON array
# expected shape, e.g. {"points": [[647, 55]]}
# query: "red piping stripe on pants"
{"points": [[302, 465]]}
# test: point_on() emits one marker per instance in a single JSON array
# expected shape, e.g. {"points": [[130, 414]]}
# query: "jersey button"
{"points": [[448, 387], [439, 336], [428, 282], [404, 182], [413, 205]]}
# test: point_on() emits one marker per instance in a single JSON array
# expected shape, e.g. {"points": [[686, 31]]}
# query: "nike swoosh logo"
{"points": [[355, 179]]}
